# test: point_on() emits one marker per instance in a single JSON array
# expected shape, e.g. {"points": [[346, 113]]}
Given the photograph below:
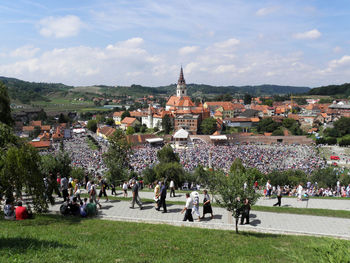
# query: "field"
{"points": [[51, 238]]}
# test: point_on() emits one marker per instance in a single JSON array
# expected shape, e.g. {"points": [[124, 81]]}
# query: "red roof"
{"points": [[107, 131], [41, 144], [35, 123], [128, 120], [185, 102], [118, 113]]}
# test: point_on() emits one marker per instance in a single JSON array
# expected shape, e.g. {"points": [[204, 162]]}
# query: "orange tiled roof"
{"points": [[267, 133], [128, 120], [35, 123], [185, 102], [28, 128], [41, 144], [45, 127], [107, 131], [118, 113], [218, 114], [173, 100]]}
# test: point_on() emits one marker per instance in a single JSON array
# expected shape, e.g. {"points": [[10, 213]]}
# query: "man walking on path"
{"points": [[135, 195], [172, 188], [64, 186], [279, 196], [188, 208], [162, 197], [103, 186]]}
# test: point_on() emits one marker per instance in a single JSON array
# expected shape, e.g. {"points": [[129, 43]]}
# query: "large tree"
{"points": [[166, 124], [92, 125], [19, 168], [5, 109], [208, 126], [117, 157]]}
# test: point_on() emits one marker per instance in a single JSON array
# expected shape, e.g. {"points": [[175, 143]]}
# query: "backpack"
{"points": [[92, 191]]}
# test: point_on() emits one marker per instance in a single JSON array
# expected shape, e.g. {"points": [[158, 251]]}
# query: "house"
{"points": [[241, 122], [128, 122], [105, 132], [41, 145], [35, 123], [27, 130], [117, 117]]}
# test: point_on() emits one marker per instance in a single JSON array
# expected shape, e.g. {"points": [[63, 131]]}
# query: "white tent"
{"points": [[218, 137], [181, 134], [155, 140]]}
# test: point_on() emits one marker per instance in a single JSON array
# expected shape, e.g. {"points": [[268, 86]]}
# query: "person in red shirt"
{"points": [[21, 212]]}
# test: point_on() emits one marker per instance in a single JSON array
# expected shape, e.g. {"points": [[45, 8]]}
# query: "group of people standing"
{"points": [[192, 206]]}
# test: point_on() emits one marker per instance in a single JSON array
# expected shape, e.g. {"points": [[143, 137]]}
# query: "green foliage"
{"points": [[59, 163], [331, 132], [289, 177], [149, 175], [339, 90], [230, 193], [326, 177], [223, 97], [331, 141], [130, 130], [247, 98], [342, 126], [125, 114], [5, 109], [116, 158], [268, 102], [288, 123], [166, 124], [208, 126], [155, 129], [267, 125], [92, 125], [63, 118], [278, 132], [110, 121], [237, 166], [344, 142], [170, 171], [167, 155], [78, 173]]}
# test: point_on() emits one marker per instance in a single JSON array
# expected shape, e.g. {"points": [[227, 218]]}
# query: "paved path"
{"points": [[334, 204], [260, 221]]}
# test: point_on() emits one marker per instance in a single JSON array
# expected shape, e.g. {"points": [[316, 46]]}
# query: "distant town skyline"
{"points": [[299, 43]]}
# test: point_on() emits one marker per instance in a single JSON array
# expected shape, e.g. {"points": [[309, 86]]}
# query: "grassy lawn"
{"points": [[51, 238]]}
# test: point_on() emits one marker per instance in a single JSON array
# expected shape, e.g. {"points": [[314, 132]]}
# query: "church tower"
{"points": [[181, 90]]}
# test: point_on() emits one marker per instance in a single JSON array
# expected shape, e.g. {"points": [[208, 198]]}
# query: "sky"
{"points": [[233, 42]]}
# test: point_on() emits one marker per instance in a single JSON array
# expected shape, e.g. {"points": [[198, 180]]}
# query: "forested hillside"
{"points": [[332, 90]]}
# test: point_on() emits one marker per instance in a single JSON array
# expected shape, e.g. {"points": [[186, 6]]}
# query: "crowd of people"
{"points": [[264, 158], [82, 155]]}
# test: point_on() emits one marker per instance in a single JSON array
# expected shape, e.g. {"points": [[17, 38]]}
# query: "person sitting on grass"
{"points": [[22, 212], [74, 207], [91, 209], [83, 212], [9, 210]]}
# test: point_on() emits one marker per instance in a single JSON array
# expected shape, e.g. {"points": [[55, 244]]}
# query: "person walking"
{"points": [[157, 195], [268, 189], [207, 205], [195, 198], [162, 197], [135, 195], [64, 186], [299, 191], [188, 208], [245, 211], [172, 188], [92, 194], [103, 184], [125, 189], [279, 196]]}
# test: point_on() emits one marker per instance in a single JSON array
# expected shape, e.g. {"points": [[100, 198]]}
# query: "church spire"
{"points": [[181, 80]]}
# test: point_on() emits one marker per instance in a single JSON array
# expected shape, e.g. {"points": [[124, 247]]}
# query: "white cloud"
{"points": [[190, 67], [188, 50], [312, 34], [24, 52], [60, 27], [266, 11], [337, 49], [227, 44], [225, 69]]}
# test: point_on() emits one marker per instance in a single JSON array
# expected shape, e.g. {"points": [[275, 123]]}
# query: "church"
{"points": [[183, 112]]}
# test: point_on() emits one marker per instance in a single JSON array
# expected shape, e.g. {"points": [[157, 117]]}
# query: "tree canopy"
{"points": [[5, 109], [208, 126]]}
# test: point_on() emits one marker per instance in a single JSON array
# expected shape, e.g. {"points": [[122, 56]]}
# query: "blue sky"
{"points": [[236, 42]]}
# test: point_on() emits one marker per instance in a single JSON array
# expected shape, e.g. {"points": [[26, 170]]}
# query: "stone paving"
{"points": [[259, 221]]}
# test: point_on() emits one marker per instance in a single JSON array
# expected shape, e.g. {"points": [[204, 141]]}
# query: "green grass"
{"points": [[91, 144], [303, 211], [51, 238]]}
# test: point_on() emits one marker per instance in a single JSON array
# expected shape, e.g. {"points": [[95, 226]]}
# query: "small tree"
{"points": [[116, 158], [130, 130], [167, 155], [92, 125], [5, 109], [125, 114]]}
